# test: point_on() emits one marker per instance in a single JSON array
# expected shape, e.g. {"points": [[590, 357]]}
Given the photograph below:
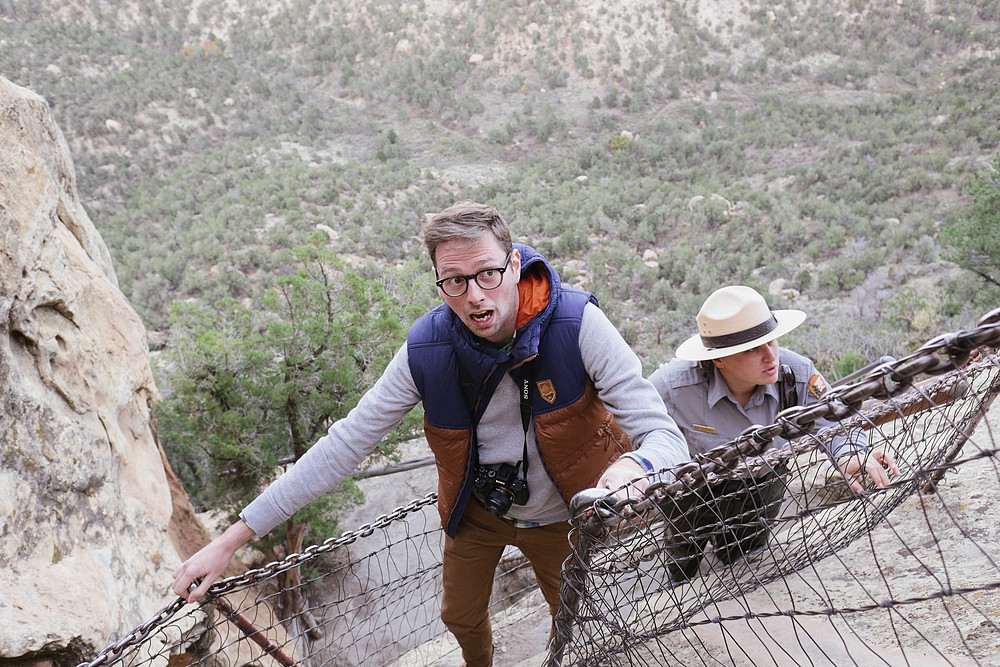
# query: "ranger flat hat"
{"points": [[735, 319]]}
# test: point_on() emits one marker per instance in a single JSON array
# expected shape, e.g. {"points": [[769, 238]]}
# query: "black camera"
{"points": [[498, 486]]}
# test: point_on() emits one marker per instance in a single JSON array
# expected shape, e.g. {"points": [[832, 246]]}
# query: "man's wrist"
{"points": [[238, 534], [638, 458]]}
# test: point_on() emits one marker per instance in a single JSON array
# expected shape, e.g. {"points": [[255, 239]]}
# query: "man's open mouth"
{"points": [[481, 316]]}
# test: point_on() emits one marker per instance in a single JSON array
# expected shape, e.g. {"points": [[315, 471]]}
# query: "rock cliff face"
{"points": [[85, 495]]}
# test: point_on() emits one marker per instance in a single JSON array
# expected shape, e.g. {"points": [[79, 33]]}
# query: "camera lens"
{"points": [[498, 502]]}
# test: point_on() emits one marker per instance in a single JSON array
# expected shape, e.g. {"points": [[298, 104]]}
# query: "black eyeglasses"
{"points": [[486, 279]]}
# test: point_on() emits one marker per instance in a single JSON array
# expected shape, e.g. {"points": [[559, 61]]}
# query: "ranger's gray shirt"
{"points": [[708, 415], [608, 360]]}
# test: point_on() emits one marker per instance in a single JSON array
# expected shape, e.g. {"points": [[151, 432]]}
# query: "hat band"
{"points": [[740, 337]]}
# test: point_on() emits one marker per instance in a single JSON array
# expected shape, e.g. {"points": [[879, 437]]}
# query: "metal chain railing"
{"points": [[138, 635]]}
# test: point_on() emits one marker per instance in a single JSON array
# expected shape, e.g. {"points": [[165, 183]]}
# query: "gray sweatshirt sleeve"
{"points": [[811, 387], [631, 398], [340, 451]]}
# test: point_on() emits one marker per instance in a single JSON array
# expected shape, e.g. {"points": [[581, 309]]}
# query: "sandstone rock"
{"points": [[85, 497], [329, 231]]}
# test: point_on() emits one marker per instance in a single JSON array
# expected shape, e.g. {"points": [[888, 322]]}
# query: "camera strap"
{"points": [[527, 375], [787, 393]]}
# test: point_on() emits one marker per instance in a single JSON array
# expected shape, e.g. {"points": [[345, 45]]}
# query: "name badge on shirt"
{"points": [[703, 429]]}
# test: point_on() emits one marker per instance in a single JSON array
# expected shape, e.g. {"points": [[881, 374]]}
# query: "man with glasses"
{"points": [[530, 395]]}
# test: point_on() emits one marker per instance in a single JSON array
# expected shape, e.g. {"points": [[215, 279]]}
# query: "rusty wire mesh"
{"points": [[628, 600]]}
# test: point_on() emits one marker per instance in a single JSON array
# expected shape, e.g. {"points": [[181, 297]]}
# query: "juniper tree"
{"points": [[975, 239], [250, 387]]}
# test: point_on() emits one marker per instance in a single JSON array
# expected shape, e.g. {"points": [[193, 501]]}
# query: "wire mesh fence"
{"points": [[370, 597], [653, 577]]}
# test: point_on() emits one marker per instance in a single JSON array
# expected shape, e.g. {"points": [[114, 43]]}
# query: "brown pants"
{"points": [[469, 564]]}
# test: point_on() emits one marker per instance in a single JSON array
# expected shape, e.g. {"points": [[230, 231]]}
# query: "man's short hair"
{"points": [[468, 221]]}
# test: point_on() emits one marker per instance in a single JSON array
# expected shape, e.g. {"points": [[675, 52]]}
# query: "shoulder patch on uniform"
{"points": [[547, 390], [685, 376], [817, 386]]}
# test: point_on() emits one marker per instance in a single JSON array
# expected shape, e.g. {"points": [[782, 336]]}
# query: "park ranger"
{"points": [[730, 376]]}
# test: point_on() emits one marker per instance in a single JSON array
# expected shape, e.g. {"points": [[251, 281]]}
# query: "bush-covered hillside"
{"points": [[654, 149]]}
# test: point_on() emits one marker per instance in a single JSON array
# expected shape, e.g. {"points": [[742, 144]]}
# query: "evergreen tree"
{"points": [[975, 240], [249, 388]]}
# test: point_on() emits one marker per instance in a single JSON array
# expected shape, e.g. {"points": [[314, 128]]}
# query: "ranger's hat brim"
{"points": [[735, 319]]}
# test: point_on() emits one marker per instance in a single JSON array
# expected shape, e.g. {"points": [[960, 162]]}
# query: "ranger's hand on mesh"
{"points": [[876, 463]]}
